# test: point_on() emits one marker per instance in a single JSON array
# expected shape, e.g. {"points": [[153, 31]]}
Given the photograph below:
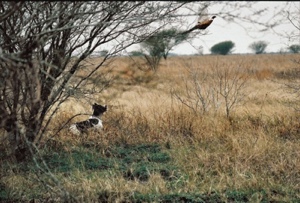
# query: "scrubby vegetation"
{"points": [[154, 148]]}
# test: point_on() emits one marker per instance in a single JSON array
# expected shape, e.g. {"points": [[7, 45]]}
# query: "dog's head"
{"points": [[98, 109]]}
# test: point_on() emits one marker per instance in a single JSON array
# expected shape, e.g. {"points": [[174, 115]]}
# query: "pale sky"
{"points": [[221, 30]]}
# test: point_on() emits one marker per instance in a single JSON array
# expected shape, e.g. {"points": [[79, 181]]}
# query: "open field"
{"points": [[200, 129]]}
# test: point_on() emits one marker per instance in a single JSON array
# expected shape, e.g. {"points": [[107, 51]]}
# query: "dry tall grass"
{"points": [[256, 149]]}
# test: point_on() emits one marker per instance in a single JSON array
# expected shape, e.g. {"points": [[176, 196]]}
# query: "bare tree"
{"points": [[198, 92], [223, 85], [43, 46], [231, 81]]}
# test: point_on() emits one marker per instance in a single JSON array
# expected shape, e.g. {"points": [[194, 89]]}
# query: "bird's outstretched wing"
{"points": [[203, 15]]}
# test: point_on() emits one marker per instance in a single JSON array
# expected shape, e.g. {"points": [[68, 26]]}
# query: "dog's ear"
{"points": [[104, 108]]}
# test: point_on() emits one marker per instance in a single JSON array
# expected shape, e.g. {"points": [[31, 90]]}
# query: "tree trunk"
{"points": [[20, 140]]}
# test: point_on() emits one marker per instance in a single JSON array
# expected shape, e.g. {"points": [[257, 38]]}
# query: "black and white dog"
{"points": [[93, 122]]}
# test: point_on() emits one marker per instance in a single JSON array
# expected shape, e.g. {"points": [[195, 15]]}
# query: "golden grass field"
{"points": [[253, 155]]}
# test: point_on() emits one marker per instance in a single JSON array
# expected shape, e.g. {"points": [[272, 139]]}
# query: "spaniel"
{"points": [[93, 122]]}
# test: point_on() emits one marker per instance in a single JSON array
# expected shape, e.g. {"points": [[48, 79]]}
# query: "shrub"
{"points": [[222, 48], [258, 47]]}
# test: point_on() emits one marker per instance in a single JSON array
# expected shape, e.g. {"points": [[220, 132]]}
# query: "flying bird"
{"points": [[201, 25]]}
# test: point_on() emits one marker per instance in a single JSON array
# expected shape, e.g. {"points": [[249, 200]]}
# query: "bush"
{"points": [[294, 48], [222, 48], [258, 47]]}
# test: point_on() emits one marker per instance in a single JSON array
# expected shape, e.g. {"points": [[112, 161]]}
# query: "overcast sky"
{"points": [[222, 30]]}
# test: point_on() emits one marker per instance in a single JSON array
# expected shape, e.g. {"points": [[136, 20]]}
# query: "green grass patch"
{"points": [[82, 160], [140, 161]]}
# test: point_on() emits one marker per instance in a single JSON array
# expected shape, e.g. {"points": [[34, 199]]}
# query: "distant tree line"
{"points": [[157, 47]]}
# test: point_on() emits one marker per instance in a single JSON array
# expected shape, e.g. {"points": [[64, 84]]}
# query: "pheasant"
{"points": [[201, 25]]}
